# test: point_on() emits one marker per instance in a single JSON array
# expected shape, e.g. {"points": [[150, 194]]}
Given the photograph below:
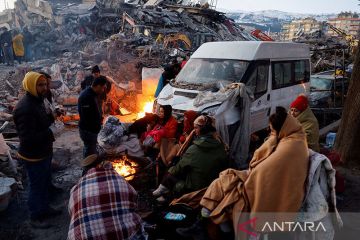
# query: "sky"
{"points": [[10, 3], [295, 6]]}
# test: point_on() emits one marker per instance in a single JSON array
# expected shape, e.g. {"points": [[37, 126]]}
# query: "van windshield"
{"points": [[211, 71]]}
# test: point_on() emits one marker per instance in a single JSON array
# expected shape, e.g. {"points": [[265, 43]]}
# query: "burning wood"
{"points": [[125, 167], [147, 107]]}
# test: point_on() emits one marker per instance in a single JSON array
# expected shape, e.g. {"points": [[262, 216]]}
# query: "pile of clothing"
{"points": [[114, 140]]}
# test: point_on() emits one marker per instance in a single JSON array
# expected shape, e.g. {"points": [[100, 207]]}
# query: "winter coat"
{"points": [[32, 124], [311, 128], [320, 199], [201, 163], [6, 38], [89, 111], [18, 45], [28, 38], [170, 128]]}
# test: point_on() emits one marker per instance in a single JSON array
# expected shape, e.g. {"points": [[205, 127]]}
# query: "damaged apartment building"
{"points": [[124, 37], [186, 24]]}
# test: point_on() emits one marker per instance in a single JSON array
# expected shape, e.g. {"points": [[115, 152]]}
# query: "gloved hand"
{"points": [[56, 128]]}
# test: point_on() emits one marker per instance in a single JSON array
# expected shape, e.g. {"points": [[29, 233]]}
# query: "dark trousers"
{"points": [[18, 58], [39, 174], [90, 142], [169, 181], [8, 54]]}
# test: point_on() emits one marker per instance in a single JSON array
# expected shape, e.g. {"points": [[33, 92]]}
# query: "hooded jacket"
{"points": [[311, 126], [32, 123], [201, 163], [18, 45]]}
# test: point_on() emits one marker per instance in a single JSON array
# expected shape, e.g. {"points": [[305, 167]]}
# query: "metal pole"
{"points": [[334, 81], [343, 79]]}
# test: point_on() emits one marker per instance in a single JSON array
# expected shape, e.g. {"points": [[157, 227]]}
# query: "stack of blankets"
{"points": [[113, 139]]}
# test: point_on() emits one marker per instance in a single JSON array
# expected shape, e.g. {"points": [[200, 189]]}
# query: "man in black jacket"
{"points": [[36, 133], [87, 82], [6, 45], [90, 113]]}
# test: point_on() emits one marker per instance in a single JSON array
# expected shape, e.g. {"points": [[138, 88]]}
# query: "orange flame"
{"points": [[147, 108], [124, 167]]}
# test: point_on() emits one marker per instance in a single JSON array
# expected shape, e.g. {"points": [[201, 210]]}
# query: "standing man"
{"points": [[87, 82], [170, 72], [6, 45], [36, 133], [18, 46], [91, 114], [28, 41]]}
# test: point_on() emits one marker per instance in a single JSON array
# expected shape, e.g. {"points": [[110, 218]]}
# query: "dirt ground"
{"points": [[14, 222]]}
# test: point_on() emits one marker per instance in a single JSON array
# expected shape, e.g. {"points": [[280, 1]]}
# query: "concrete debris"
{"points": [[328, 52], [7, 189], [126, 40]]}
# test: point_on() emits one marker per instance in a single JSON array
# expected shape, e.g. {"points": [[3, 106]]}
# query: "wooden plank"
{"points": [[329, 128]]}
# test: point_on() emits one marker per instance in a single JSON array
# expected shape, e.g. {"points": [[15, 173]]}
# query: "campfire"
{"points": [[125, 167], [147, 107]]}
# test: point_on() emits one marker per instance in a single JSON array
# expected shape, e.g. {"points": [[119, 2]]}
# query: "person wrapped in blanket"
{"points": [[164, 127], [200, 164], [103, 205], [170, 148]]}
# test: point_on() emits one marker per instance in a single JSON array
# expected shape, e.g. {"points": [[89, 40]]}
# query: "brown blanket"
{"points": [[274, 182]]}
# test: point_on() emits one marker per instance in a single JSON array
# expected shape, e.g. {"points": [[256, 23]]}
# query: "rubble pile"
{"points": [[71, 36], [328, 52]]}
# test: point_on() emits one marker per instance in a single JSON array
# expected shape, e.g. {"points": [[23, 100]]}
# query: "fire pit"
{"points": [[125, 167], [129, 166]]}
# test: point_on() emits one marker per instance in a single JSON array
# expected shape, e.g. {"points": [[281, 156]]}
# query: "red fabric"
{"points": [[157, 133], [189, 121], [170, 128], [333, 156], [335, 160], [182, 139], [183, 63], [300, 103]]}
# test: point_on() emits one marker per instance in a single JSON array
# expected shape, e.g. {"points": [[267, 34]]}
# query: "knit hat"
{"points": [[300, 103], [200, 121], [30, 81], [189, 122]]}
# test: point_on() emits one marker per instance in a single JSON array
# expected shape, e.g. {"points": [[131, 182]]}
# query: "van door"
{"points": [[257, 81], [289, 79]]}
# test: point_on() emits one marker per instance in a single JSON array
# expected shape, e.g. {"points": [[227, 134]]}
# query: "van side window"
{"points": [[258, 80], [302, 71], [288, 73], [282, 74]]}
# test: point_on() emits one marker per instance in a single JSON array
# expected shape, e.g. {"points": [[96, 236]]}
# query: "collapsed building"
{"points": [[129, 41], [71, 35]]}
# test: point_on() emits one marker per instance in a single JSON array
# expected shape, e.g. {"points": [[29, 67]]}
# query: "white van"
{"points": [[276, 72]]}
